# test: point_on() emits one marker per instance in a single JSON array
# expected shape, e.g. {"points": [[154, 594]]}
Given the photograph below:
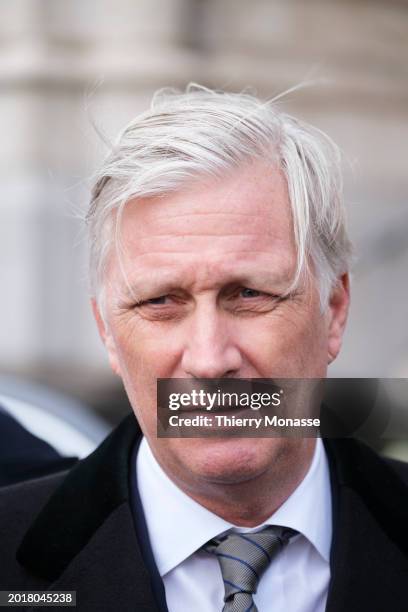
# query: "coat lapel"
{"points": [[369, 561], [110, 569], [84, 539]]}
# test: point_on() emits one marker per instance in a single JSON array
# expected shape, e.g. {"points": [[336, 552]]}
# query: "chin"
{"points": [[232, 461]]}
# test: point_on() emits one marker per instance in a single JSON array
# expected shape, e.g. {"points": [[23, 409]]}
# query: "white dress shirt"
{"points": [[297, 579]]}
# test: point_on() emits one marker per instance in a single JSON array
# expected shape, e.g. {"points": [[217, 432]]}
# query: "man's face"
{"points": [[208, 268]]}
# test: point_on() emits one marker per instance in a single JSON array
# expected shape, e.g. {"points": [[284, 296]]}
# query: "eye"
{"points": [[245, 301], [158, 300], [246, 292], [168, 307]]}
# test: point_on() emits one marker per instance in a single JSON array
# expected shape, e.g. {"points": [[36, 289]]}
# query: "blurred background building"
{"points": [[63, 62]]}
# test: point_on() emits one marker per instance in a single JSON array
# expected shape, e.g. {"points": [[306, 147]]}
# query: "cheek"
{"points": [[138, 375], [288, 345], [145, 352]]}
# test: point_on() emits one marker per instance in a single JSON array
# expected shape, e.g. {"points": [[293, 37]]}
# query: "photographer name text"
{"points": [[223, 420]]}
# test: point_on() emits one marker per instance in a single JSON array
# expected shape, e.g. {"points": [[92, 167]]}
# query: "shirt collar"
{"points": [[162, 501]]}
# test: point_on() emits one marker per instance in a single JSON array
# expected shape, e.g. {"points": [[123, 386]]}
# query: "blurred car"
{"points": [[43, 431]]}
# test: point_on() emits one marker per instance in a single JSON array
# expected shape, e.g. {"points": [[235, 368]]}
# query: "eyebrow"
{"points": [[157, 281], [163, 282]]}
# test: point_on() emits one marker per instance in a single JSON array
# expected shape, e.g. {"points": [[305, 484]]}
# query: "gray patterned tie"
{"points": [[243, 558]]}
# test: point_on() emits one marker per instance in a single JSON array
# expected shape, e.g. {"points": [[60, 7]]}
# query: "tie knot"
{"points": [[243, 557]]}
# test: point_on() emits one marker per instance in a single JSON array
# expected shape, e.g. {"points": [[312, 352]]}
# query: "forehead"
{"points": [[222, 226]]}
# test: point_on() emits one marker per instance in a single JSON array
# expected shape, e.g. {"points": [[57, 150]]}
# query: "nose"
{"points": [[210, 350]]}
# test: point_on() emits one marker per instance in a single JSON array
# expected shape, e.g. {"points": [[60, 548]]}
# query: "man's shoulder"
{"points": [[374, 482], [371, 458], [359, 454], [400, 467], [19, 505], [35, 490], [355, 464], [45, 523], [21, 501]]}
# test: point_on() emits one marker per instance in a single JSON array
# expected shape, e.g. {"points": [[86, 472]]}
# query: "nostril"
{"points": [[202, 369], [231, 374]]}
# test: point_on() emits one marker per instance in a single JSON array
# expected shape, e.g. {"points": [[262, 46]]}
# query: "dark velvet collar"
{"points": [[355, 467], [100, 483], [90, 492]]}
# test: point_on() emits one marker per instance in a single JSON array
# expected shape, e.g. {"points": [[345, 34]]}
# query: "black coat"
{"points": [[77, 532]]}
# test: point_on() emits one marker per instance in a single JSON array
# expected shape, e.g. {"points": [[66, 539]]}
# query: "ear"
{"points": [[337, 312], [106, 336]]}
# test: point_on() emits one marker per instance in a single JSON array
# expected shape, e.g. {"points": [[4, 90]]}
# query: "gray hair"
{"points": [[201, 132]]}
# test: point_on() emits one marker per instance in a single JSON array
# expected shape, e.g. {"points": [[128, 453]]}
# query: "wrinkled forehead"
{"points": [[233, 228], [250, 202]]}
